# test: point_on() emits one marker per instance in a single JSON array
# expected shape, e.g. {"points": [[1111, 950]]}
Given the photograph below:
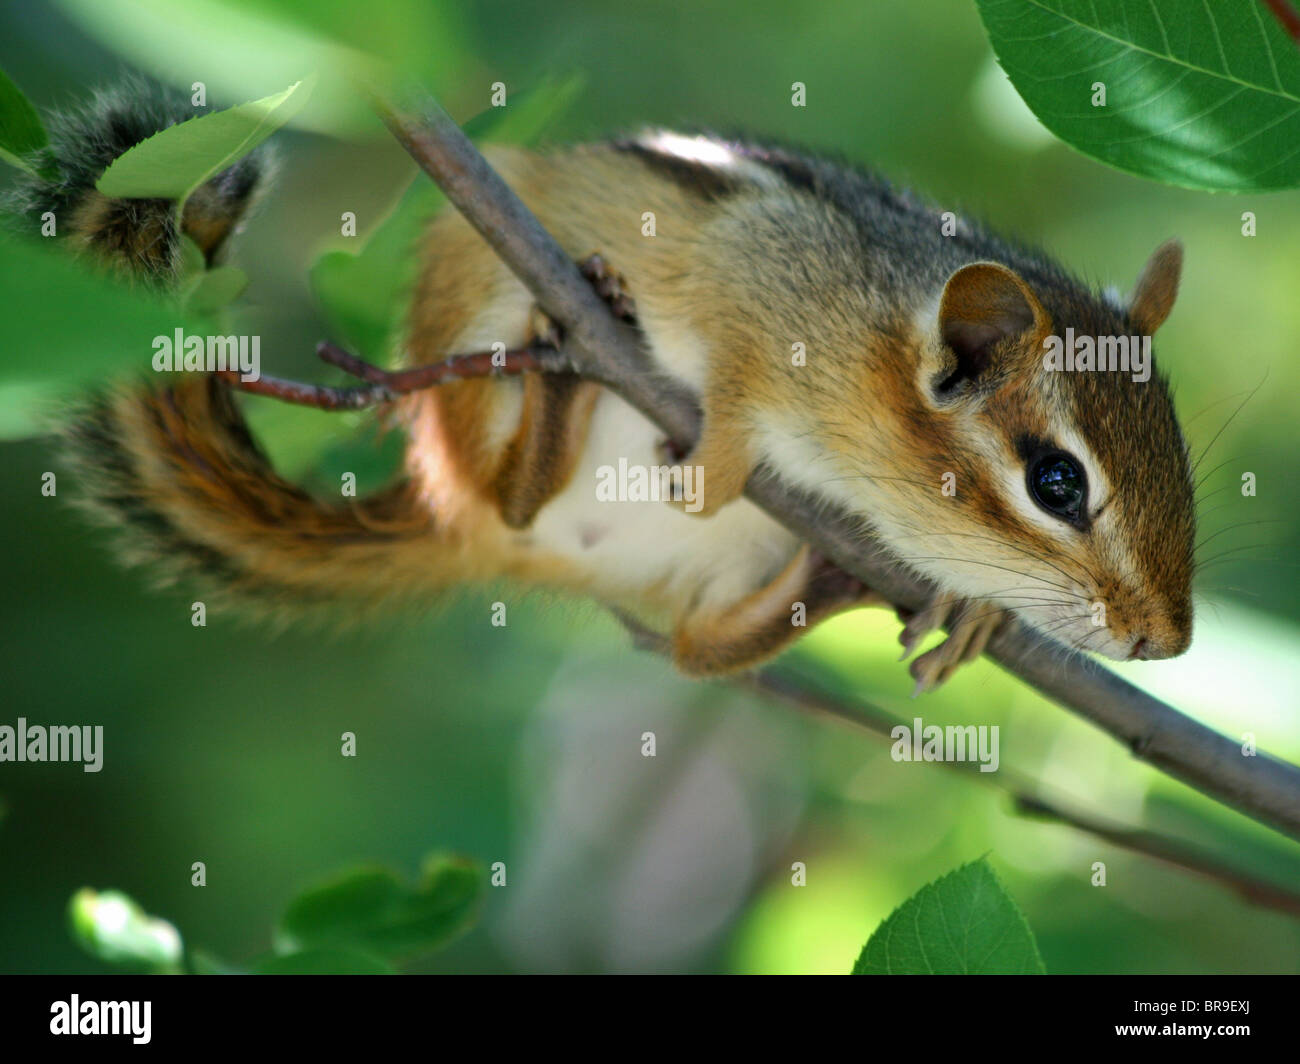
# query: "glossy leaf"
{"points": [[364, 294], [175, 161], [527, 113], [373, 911], [963, 924], [76, 322], [1202, 95], [242, 47], [215, 288], [21, 130]]}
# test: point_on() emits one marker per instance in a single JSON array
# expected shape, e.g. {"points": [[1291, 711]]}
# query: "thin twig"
{"points": [[1286, 15], [1026, 796], [386, 385], [605, 350], [300, 393]]}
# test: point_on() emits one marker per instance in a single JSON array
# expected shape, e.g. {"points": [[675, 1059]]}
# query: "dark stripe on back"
{"points": [[695, 177]]}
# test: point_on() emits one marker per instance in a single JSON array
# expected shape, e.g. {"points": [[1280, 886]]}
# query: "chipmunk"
{"points": [[921, 405]]}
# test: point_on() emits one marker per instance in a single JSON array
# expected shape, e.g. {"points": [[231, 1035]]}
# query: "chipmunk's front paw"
{"points": [[972, 624], [713, 473], [610, 286], [699, 490]]}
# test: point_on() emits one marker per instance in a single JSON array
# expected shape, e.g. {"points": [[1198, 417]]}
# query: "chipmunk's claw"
{"points": [[916, 626], [838, 585], [971, 625], [610, 286], [544, 330]]}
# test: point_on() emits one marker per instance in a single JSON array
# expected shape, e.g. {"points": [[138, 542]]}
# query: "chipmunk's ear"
{"points": [[1153, 298], [982, 306]]}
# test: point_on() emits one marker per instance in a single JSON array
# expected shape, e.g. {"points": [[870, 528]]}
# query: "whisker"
{"points": [[991, 565], [1240, 524], [1216, 509], [1211, 495], [1211, 406], [1022, 550], [1206, 476], [1226, 553], [1230, 420]]}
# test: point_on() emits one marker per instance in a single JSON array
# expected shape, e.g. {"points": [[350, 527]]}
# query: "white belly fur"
{"points": [[710, 561], [629, 547]]}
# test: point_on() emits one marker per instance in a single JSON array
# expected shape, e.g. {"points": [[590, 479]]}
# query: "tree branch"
{"points": [[606, 350], [1286, 15], [386, 385], [1029, 801], [783, 687]]}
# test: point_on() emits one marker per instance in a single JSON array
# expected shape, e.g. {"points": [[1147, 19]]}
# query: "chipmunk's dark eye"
{"points": [[1057, 484]]}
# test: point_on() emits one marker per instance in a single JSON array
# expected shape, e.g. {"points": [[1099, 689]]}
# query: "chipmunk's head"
{"points": [[1070, 498]]}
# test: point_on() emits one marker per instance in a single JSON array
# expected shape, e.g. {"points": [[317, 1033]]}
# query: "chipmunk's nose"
{"points": [[1161, 629], [1158, 646]]}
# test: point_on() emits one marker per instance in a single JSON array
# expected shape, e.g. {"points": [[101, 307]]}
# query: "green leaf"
{"points": [[359, 303], [364, 294], [21, 164], [1202, 95], [527, 113], [21, 131], [27, 409], [175, 161], [294, 437], [962, 924], [215, 288], [372, 455], [77, 322], [369, 909], [193, 264], [115, 929], [241, 48], [322, 962]]}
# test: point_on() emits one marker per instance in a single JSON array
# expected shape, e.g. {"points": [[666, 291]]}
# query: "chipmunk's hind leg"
{"points": [[809, 589], [540, 458]]}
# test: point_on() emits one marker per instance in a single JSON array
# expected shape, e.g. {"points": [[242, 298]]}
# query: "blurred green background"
{"points": [[523, 744]]}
